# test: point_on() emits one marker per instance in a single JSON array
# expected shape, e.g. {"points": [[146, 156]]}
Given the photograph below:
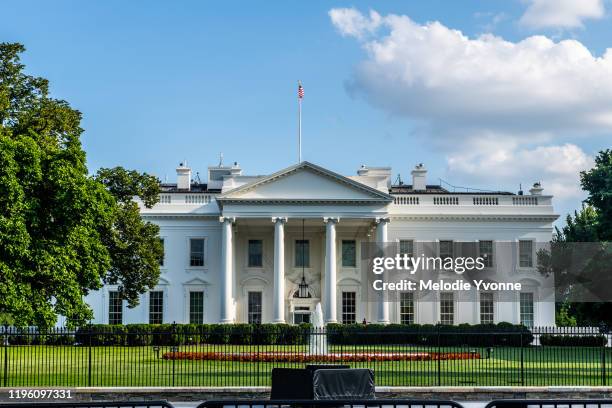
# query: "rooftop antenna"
{"points": [[221, 159], [398, 180], [197, 178]]}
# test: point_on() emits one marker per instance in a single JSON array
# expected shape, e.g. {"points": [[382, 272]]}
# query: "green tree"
{"points": [[581, 254], [598, 183], [135, 247], [60, 229]]}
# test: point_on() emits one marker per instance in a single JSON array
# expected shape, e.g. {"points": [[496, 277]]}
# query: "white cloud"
{"points": [[561, 13], [556, 166], [435, 73], [351, 22], [501, 111]]}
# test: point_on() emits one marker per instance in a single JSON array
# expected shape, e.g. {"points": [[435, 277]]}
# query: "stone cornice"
{"points": [[476, 217], [303, 201]]}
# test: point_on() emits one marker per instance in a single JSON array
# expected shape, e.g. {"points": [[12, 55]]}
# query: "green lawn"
{"points": [[69, 366]]}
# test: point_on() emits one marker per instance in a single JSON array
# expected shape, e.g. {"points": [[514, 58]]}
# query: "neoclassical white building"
{"points": [[237, 248]]}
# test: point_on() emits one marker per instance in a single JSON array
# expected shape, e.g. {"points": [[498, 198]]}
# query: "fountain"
{"points": [[318, 338]]}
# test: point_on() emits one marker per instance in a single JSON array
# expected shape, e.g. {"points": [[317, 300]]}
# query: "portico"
{"points": [[319, 200], [324, 270]]}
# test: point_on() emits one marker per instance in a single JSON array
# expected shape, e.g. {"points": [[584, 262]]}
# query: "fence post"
{"points": [[5, 346], [89, 334], [522, 359], [174, 349], [439, 360], [603, 360]]}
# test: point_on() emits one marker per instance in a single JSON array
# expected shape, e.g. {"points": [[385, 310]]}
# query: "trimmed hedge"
{"points": [[182, 334], [502, 334], [477, 335], [573, 341]]}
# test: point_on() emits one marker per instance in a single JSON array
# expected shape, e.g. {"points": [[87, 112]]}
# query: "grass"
{"points": [[69, 366]]}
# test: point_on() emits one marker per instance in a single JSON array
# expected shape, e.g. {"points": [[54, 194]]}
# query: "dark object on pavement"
{"points": [[343, 384]]}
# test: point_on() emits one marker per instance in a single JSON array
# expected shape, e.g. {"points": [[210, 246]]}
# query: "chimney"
{"points": [[419, 177], [183, 177], [536, 189]]}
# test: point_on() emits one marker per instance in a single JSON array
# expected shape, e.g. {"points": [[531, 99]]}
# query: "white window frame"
{"points": [[439, 247], [262, 293], [533, 254], [342, 305], [294, 257], [195, 285], [189, 292], [414, 307], [480, 293], [493, 253], [534, 306], [357, 252], [205, 254], [440, 307], [263, 252], [106, 304], [163, 299]]}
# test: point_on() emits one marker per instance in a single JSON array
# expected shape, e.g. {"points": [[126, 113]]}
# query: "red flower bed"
{"points": [[282, 357]]}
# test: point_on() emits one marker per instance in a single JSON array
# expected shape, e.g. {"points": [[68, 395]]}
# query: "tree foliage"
{"points": [[581, 253], [61, 229]]}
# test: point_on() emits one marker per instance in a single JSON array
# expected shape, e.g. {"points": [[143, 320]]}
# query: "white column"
{"points": [[227, 254], [279, 269], [381, 240], [330, 270]]}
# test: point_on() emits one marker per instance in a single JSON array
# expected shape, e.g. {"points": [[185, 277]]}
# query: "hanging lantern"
{"points": [[303, 291]]}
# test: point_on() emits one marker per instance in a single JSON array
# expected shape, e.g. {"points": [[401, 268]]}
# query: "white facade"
{"points": [[209, 273]]}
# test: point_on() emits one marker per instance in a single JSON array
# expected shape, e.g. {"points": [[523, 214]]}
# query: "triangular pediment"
{"points": [[306, 182]]}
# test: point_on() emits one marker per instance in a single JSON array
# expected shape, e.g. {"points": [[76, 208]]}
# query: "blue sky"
{"points": [[161, 82]]}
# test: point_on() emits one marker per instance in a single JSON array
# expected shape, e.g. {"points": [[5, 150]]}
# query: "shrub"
{"points": [[102, 335], [479, 335], [573, 341]]}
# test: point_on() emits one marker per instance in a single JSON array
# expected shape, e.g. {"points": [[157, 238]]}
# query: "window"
{"points": [[525, 254], [163, 245], [349, 253], [406, 308], [349, 307], [302, 253], [486, 308], [301, 315], [526, 306], [406, 246], [156, 307], [485, 249], [115, 308], [254, 308], [255, 253], [196, 307], [196, 252], [446, 249], [447, 308]]}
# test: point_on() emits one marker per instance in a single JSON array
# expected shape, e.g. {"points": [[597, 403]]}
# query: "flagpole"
{"points": [[299, 129]]}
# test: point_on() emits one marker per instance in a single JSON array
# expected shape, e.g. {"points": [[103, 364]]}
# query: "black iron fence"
{"points": [[89, 404], [342, 403], [175, 355]]}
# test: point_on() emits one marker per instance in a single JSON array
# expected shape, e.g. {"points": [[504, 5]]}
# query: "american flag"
{"points": [[300, 91]]}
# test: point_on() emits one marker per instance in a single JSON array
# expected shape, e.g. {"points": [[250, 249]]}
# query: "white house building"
{"points": [[237, 248]]}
